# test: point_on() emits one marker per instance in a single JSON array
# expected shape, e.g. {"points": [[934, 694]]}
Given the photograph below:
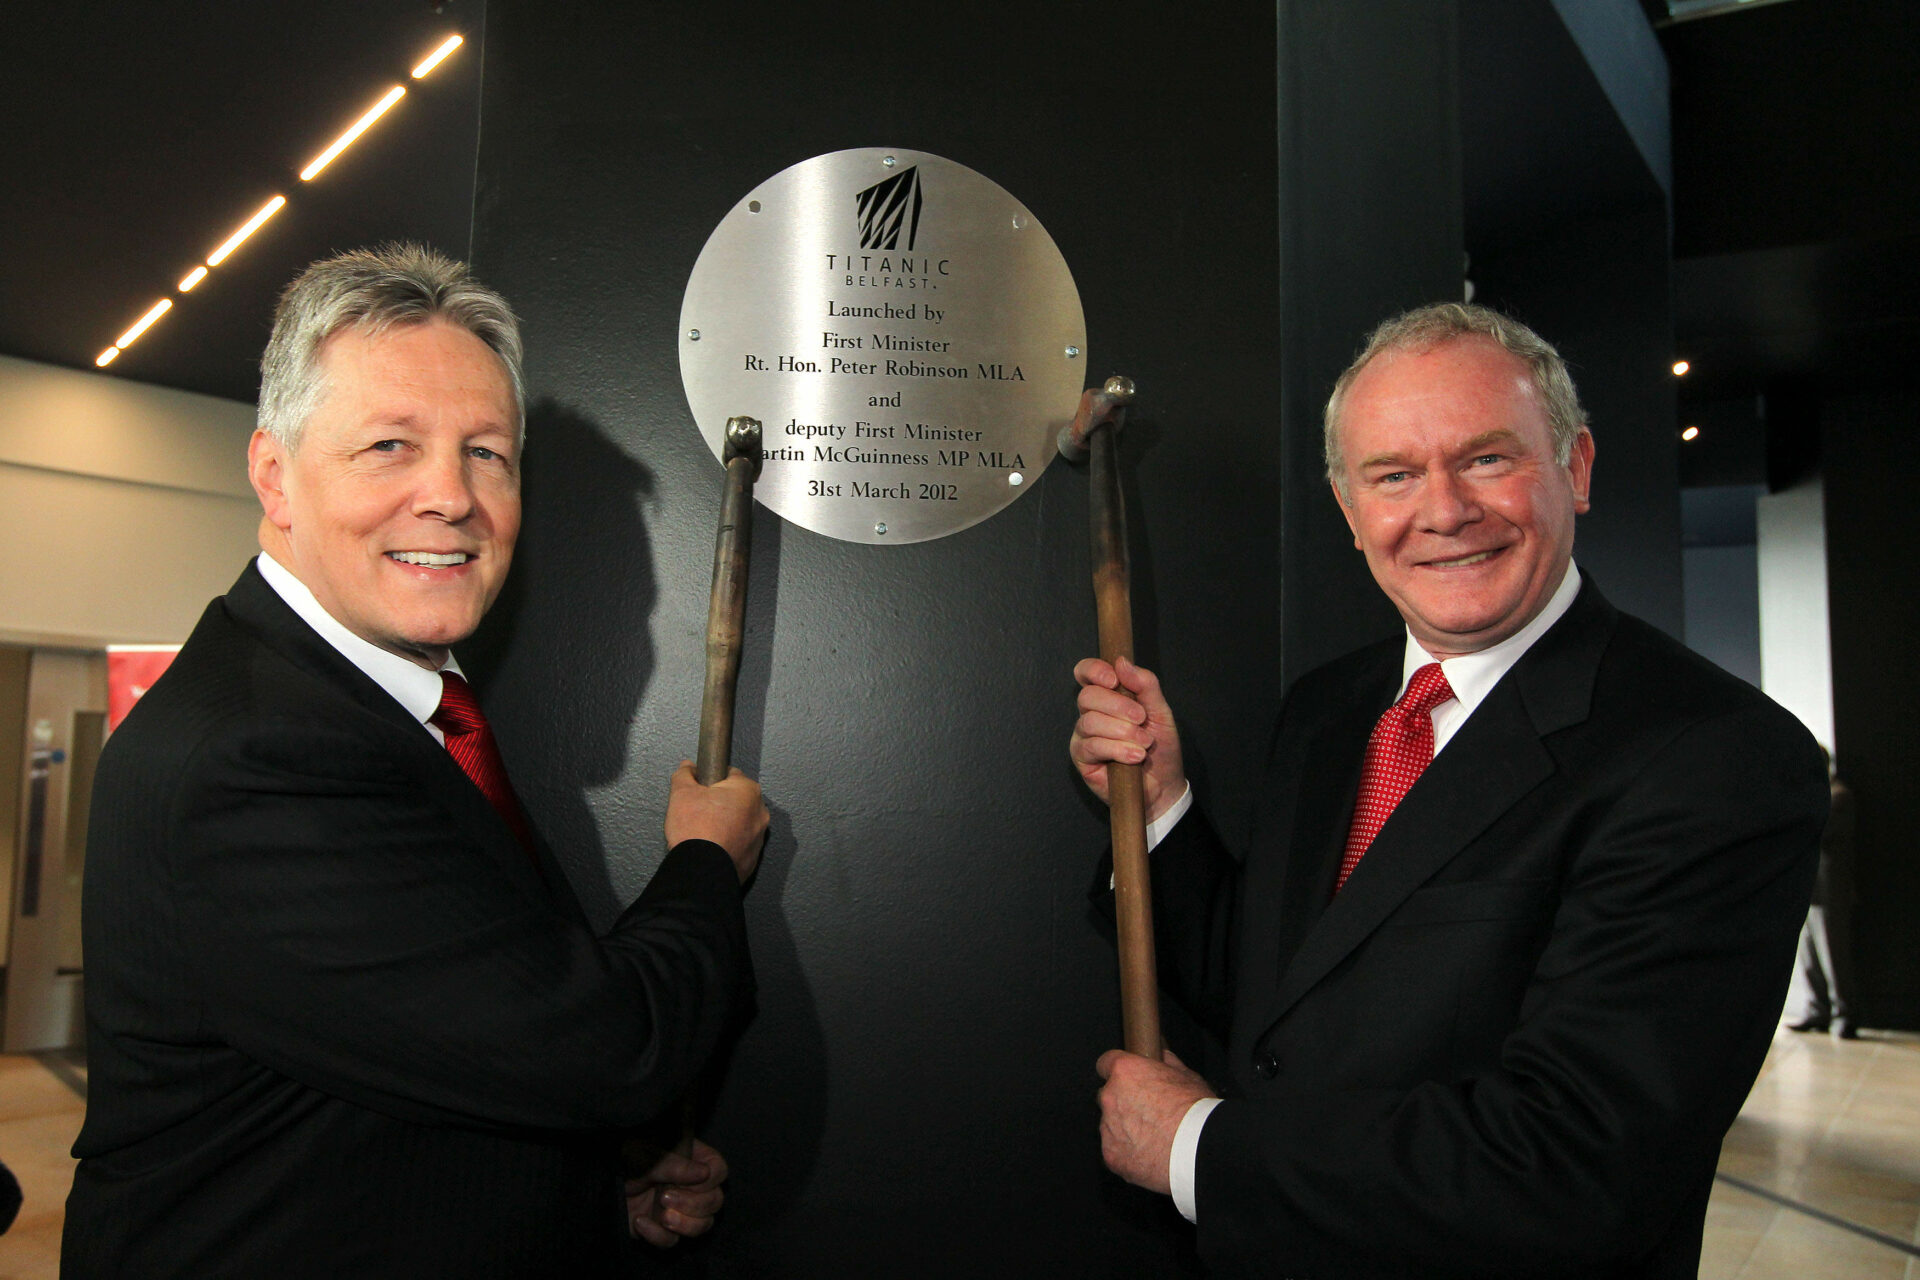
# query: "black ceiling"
{"points": [[140, 134], [1797, 194]]}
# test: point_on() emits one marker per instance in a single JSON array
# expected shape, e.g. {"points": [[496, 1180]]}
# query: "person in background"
{"points": [[1823, 971]]}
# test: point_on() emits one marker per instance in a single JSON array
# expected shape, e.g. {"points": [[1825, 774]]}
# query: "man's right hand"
{"points": [[730, 813], [678, 1196], [1135, 729]]}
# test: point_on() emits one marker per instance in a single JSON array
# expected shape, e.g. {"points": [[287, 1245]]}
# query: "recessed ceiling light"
{"points": [[1680, 367], [1690, 433]]}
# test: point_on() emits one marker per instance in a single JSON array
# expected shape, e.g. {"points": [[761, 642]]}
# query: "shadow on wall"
{"points": [[563, 662], [564, 657], [771, 1077]]}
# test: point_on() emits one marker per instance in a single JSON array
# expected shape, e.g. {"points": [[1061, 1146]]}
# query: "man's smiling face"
{"points": [[1452, 491], [400, 507]]}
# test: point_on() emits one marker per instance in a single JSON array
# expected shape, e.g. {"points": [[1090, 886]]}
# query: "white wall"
{"points": [[1795, 667], [124, 508]]}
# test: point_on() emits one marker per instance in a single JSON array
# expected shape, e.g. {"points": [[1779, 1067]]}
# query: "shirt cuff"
{"points": [[1186, 1155], [1158, 828]]}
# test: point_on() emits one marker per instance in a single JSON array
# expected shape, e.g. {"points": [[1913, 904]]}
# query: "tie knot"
{"points": [[1427, 690], [458, 711]]}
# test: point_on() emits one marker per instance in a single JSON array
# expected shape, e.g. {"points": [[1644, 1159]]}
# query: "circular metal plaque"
{"points": [[906, 332]]}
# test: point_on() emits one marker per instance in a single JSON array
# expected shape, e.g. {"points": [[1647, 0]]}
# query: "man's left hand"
{"points": [[1141, 1106], [678, 1196]]}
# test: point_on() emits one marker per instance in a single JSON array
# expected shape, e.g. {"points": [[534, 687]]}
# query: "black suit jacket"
{"points": [[340, 1023], [1513, 1042]]}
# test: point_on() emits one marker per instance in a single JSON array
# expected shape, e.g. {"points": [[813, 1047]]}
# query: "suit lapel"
{"points": [[257, 606], [1496, 758]]}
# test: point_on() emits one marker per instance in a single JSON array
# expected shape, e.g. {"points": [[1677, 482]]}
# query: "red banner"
{"points": [[131, 671]]}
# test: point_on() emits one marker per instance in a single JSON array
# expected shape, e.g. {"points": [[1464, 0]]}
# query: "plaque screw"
{"points": [[1073, 353], [880, 526], [753, 206], [693, 335], [1015, 479], [889, 163]]}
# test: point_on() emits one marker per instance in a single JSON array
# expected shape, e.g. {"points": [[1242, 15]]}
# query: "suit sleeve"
{"points": [[1647, 1010], [1196, 885], [348, 936]]}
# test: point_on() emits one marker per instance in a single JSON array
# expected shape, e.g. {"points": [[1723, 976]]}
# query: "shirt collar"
{"points": [[412, 686], [1473, 675]]}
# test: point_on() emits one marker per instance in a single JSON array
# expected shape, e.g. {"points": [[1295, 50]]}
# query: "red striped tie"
{"points": [[470, 743], [1398, 752]]}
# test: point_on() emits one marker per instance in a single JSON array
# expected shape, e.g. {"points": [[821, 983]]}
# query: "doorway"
{"points": [[52, 724]]}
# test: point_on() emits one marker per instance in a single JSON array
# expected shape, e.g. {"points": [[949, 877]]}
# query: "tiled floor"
{"points": [[1831, 1132], [39, 1117], [1819, 1179]]}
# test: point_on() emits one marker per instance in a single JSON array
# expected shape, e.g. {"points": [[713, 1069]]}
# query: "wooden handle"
{"points": [[1126, 791], [726, 628], [726, 623]]}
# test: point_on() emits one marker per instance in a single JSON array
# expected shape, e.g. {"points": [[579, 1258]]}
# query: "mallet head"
{"points": [[743, 441], [1105, 407]]}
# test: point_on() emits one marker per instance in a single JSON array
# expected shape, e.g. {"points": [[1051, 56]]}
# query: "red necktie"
{"points": [[470, 743], [1398, 752]]}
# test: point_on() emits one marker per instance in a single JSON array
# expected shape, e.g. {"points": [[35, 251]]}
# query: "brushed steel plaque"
{"points": [[907, 332]]}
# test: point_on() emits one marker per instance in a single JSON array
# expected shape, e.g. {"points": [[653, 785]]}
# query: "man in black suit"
{"points": [[345, 1016], [1491, 1015]]}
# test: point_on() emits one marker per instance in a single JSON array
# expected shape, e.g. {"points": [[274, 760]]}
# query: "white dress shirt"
{"points": [[412, 685], [1471, 676]]}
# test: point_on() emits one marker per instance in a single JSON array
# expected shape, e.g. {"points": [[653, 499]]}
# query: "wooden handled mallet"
{"points": [[1092, 435], [726, 627]]}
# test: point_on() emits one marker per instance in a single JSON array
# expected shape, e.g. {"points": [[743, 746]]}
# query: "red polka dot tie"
{"points": [[1398, 752], [470, 743]]}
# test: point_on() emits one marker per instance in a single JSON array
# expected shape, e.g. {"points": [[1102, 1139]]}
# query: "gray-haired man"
{"points": [[345, 1016], [1509, 941]]}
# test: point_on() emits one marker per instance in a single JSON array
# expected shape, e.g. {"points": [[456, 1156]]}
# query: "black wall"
{"points": [[1597, 287], [1371, 214], [916, 1092], [1240, 191], [1873, 615], [1567, 229]]}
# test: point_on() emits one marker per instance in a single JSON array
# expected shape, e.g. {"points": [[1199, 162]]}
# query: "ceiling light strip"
{"points": [[273, 206], [438, 56], [346, 139], [1688, 10], [141, 325], [251, 225]]}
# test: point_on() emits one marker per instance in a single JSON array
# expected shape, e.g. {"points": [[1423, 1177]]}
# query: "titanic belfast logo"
{"points": [[887, 208]]}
